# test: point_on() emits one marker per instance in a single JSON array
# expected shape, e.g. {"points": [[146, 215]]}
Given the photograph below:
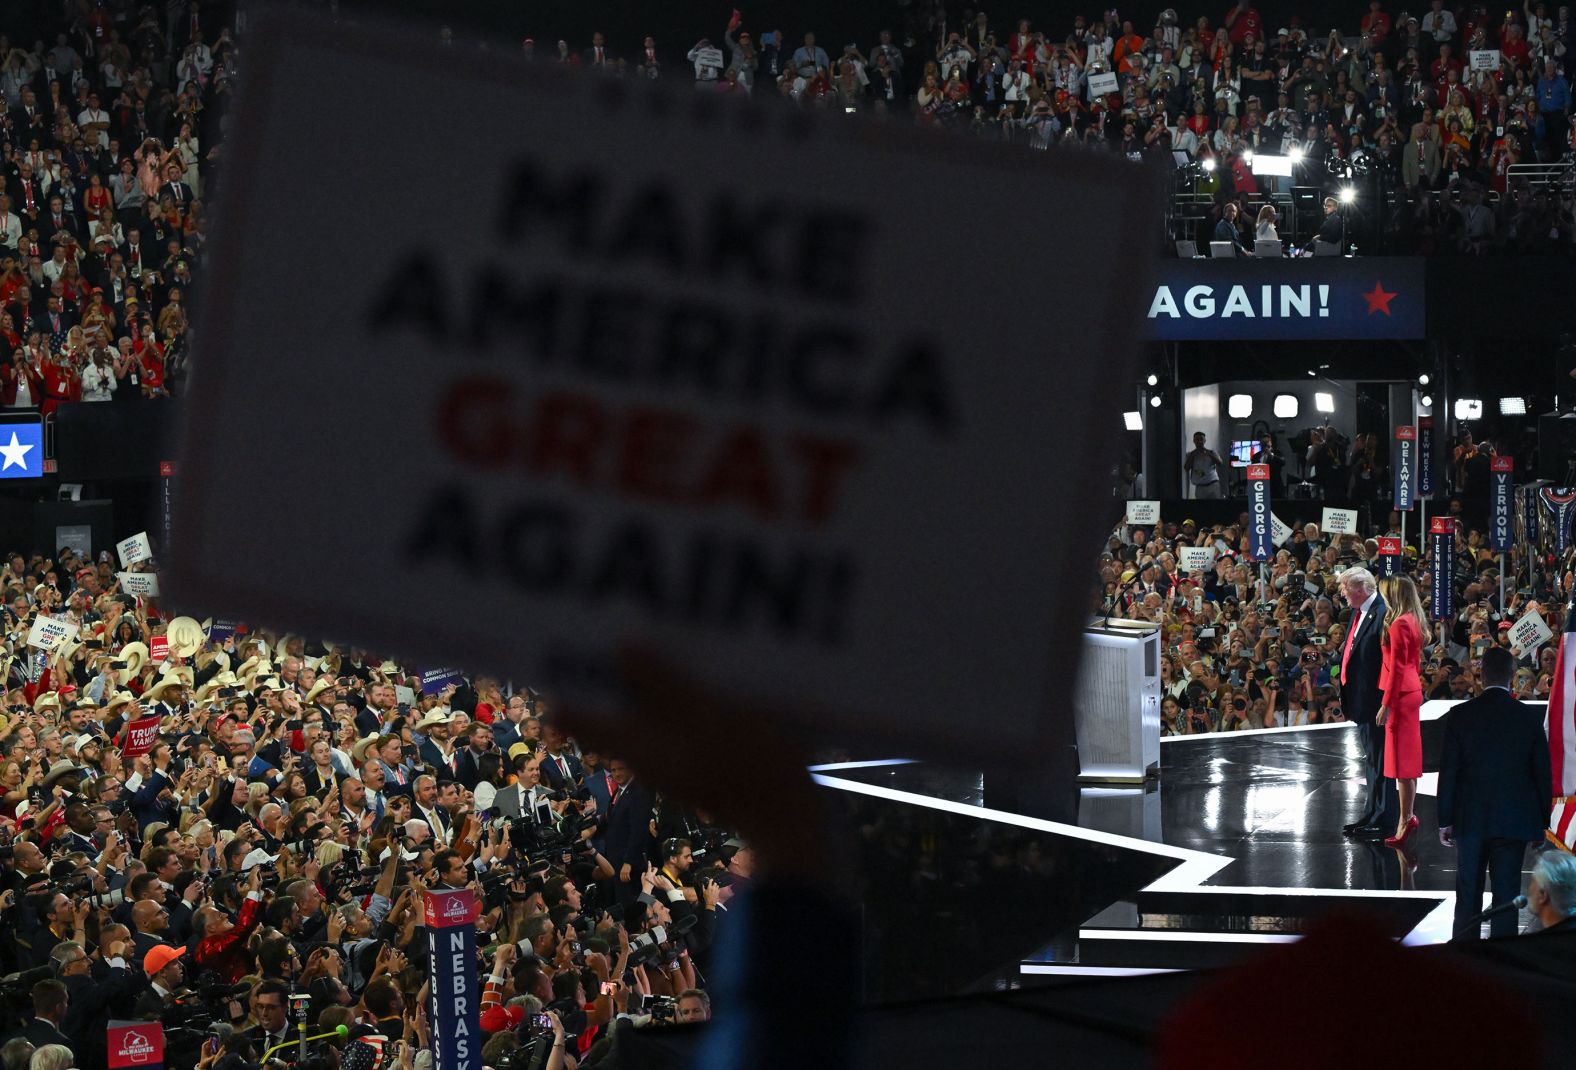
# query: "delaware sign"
{"points": [[1316, 298]]}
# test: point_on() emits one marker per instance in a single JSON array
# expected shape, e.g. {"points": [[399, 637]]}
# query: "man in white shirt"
{"points": [[10, 224], [1439, 24], [94, 121]]}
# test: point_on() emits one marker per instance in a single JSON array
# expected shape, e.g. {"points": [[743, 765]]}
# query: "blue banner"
{"points": [[220, 630], [1501, 524], [1261, 528], [1403, 462], [21, 446], [455, 1000], [1318, 298], [1388, 561], [1425, 456], [1442, 585]]}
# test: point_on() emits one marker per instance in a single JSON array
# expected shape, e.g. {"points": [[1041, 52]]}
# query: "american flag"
{"points": [[1562, 733]]}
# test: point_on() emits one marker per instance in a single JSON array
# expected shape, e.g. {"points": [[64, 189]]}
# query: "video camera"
{"points": [[659, 943]]}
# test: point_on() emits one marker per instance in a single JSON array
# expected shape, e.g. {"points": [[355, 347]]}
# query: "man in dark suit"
{"points": [[49, 1010], [627, 837], [1495, 791], [597, 57], [1360, 658], [560, 769]]}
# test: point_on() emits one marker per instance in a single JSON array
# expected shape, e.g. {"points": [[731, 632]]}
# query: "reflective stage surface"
{"points": [[1236, 844]]}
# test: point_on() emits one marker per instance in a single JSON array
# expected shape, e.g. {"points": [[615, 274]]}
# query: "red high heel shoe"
{"points": [[1411, 826]]}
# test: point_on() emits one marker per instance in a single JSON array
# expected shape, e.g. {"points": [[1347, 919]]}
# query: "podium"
{"points": [[1116, 702]]}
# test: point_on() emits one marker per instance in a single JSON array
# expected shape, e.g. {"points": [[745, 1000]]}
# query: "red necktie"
{"points": [[1351, 637]]}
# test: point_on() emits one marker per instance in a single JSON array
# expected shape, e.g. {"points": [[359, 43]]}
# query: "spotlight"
{"points": [[1133, 421], [1286, 406], [1324, 402], [1422, 380], [1348, 194], [1513, 406], [1296, 155], [1426, 401], [1247, 157], [1469, 408], [1209, 165], [1153, 380], [1239, 406], [1154, 401]]}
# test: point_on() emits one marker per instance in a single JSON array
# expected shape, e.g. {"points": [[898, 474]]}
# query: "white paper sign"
{"points": [[1197, 558], [1101, 84], [134, 549], [1339, 522], [140, 583], [1280, 532], [48, 633], [1529, 633], [1143, 513], [1484, 59], [709, 57], [636, 396]]}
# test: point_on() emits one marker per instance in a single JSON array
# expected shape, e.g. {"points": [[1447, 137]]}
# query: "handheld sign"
{"points": [[637, 397], [139, 736], [1389, 555], [1500, 533], [134, 550], [1196, 558], [47, 633], [1280, 531], [1101, 84], [1404, 465], [158, 648], [434, 681], [1442, 571], [1529, 633], [1339, 522], [1143, 513], [1484, 59], [139, 583], [1260, 545], [135, 1044]]}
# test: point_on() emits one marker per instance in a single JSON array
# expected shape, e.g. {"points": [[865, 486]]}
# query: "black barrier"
{"points": [[113, 439]]}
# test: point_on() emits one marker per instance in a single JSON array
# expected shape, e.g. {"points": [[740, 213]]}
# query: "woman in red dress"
{"points": [[1405, 626]]}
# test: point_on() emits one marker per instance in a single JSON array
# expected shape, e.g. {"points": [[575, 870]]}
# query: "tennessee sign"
{"points": [[1319, 298], [636, 397]]}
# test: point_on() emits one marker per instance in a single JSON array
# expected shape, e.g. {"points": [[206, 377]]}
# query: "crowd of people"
{"points": [[1250, 647], [1434, 105], [280, 833], [109, 135]]}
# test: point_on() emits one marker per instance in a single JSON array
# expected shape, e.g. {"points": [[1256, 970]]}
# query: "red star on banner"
{"points": [[1378, 300]]}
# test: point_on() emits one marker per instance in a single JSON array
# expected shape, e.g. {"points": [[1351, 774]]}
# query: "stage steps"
{"points": [[1191, 930]]}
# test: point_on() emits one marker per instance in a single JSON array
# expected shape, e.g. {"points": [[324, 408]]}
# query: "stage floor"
{"points": [[1238, 842]]}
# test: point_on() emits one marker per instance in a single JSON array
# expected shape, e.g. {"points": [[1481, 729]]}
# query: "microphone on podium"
{"points": [[1518, 903]]}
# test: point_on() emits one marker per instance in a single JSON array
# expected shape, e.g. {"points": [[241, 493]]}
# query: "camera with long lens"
{"points": [[190, 1020], [659, 943]]}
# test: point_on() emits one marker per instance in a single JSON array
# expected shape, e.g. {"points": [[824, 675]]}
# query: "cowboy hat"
{"points": [[318, 688], [359, 751], [135, 655], [156, 691], [206, 658], [436, 717], [218, 680], [185, 635], [61, 769], [48, 698], [388, 668]]}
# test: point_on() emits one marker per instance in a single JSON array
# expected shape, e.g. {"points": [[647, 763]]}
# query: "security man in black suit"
{"points": [[1495, 791], [1359, 660]]}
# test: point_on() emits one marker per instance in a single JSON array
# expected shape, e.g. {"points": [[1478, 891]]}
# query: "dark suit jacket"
{"points": [[555, 777], [627, 839], [40, 1032], [433, 757], [1360, 697], [1494, 779]]}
